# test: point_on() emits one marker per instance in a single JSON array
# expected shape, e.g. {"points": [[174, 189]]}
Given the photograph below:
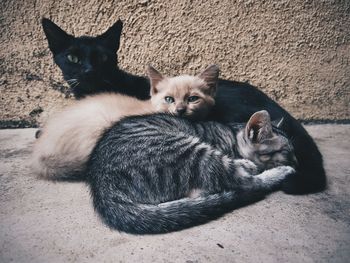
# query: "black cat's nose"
{"points": [[180, 111], [88, 70], [88, 73]]}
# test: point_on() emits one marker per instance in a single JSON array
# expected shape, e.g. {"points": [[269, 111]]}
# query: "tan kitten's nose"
{"points": [[180, 110]]}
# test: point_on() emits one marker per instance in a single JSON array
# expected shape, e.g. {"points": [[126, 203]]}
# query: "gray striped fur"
{"points": [[160, 173]]}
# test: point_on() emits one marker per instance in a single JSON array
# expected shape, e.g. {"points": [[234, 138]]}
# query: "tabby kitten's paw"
{"points": [[273, 177], [247, 165], [282, 172], [286, 170]]}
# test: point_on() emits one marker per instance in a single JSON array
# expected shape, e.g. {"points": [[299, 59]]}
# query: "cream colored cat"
{"points": [[68, 138]]}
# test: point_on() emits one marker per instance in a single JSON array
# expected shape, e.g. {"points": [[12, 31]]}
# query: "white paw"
{"points": [[276, 174], [281, 172], [286, 170]]}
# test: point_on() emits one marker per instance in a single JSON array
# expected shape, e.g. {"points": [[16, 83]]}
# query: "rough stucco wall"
{"points": [[297, 51]]}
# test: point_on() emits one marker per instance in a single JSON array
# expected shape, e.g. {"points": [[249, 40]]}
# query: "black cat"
{"points": [[89, 64], [92, 64]]}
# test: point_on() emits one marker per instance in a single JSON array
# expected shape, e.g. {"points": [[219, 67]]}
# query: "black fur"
{"points": [[97, 70]]}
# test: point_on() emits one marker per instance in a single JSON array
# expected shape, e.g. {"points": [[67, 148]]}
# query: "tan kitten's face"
{"points": [[188, 96]]}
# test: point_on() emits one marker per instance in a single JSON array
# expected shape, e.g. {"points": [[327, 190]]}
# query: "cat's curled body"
{"points": [[159, 173]]}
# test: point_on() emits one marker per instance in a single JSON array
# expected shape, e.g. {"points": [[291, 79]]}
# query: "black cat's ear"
{"points": [[155, 77], [259, 127], [111, 38], [57, 38], [211, 75]]}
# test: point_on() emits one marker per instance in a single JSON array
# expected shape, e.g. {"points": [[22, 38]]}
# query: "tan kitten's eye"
{"points": [[169, 99], [192, 98], [73, 58]]}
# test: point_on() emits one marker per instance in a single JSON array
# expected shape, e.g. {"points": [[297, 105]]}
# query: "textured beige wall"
{"points": [[297, 51]]}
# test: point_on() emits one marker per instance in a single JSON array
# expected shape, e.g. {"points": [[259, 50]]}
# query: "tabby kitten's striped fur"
{"points": [[159, 173]]}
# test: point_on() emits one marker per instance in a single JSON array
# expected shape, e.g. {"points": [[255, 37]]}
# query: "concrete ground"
{"points": [[43, 221]]}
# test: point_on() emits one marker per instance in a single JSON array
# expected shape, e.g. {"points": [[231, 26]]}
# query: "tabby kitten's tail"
{"points": [[120, 213], [170, 216]]}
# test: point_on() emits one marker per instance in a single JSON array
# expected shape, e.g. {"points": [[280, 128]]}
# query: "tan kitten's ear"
{"points": [[259, 127], [155, 77], [210, 75]]}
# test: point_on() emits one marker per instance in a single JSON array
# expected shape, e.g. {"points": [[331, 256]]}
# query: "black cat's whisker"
{"points": [[108, 82], [76, 84], [72, 81]]}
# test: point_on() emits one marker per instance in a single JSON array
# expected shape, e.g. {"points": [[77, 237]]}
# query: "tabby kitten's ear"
{"points": [[155, 77], [57, 38], [259, 127], [111, 38], [210, 75]]}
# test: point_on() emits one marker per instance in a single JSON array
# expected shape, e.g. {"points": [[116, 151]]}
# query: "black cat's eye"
{"points": [[192, 98], [169, 99], [73, 58]]}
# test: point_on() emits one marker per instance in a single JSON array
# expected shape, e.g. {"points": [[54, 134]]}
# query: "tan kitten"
{"points": [[68, 138], [188, 96]]}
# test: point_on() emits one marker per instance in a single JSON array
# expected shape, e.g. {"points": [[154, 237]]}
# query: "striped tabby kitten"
{"points": [[66, 141], [159, 173]]}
